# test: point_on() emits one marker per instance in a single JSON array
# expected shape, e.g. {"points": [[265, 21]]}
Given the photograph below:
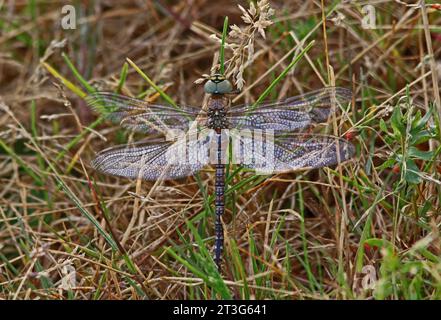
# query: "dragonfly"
{"points": [[268, 138]]}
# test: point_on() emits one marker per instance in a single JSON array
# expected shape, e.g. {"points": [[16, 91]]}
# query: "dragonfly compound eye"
{"points": [[210, 87], [224, 87]]}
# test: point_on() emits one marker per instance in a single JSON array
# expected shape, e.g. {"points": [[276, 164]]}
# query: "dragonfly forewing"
{"points": [[142, 116], [292, 114]]}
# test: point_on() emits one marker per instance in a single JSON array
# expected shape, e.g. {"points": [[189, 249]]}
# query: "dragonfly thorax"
{"points": [[217, 114]]}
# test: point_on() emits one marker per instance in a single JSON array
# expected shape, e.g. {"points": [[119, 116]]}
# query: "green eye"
{"points": [[210, 87], [224, 87]]}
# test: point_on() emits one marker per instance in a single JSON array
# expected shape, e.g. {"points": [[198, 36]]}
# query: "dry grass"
{"points": [[67, 232]]}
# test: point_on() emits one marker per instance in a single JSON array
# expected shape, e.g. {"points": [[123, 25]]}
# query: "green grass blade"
{"points": [[78, 138], [21, 163], [282, 75], [222, 48], [165, 96], [122, 77], [66, 82], [77, 75]]}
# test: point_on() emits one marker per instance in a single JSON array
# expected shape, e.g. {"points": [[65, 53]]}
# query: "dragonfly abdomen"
{"points": [[219, 210], [217, 120]]}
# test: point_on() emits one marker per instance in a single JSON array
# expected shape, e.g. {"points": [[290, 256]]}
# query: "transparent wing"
{"points": [[290, 152], [162, 160], [142, 116], [291, 114]]}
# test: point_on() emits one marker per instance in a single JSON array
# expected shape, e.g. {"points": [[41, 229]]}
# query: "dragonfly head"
{"points": [[217, 84]]}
